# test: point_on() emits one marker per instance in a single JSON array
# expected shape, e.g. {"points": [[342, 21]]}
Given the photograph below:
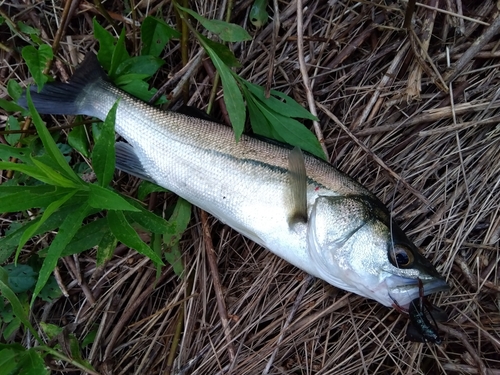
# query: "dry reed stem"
{"points": [[445, 147]]}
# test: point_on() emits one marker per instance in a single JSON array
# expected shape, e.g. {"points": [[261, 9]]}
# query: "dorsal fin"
{"points": [[298, 186]]}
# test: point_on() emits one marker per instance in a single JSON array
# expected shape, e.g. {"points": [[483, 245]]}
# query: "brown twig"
{"points": [[379, 161], [221, 304], [305, 76], [468, 55]]}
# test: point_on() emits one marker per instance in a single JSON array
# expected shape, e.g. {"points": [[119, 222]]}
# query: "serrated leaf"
{"points": [[258, 13], [48, 143], [232, 95], [32, 363], [77, 139], [105, 199], [144, 65], [103, 154], [51, 330], [106, 45], [228, 32], [36, 60], [66, 232], [155, 34], [124, 232], [17, 307]]}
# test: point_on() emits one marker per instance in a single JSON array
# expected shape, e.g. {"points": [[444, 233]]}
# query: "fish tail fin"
{"points": [[69, 98]]}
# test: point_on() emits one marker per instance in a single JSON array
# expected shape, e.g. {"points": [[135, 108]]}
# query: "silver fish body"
{"points": [[347, 238]]}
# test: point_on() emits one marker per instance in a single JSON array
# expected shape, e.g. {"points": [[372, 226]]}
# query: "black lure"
{"points": [[420, 328]]}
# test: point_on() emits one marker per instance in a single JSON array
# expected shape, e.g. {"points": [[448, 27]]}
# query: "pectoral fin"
{"points": [[298, 187], [127, 161]]}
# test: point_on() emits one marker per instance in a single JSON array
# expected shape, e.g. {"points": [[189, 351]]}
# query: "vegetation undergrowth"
{"points": [[49, 186]]}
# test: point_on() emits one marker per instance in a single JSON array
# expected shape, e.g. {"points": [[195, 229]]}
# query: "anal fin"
{"points": [[128, 162]]}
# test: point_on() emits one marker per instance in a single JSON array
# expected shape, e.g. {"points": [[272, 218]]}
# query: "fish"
{"points": [[290, 202]]}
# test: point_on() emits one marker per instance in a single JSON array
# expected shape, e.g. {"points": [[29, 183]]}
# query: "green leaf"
{"points": [[27, 29], [66, 232], [32, 363], [124, 232], [143, 65], [23, 154], [20, 198], [51, 208], [288, 108], [26, 169], [106, 45], [150, 221], [48, 143], [8, 361], [14, 89], [17, 307], [77, 139], [9, 242], [12, 327], [103, 155], [52, 176], [228, 32], [37, 60], [120, 55], [232, 94], [51, 330], [180, 219], [258, 14], [50, 291], [292, 131], [106, 248], [10, 106], [12, 124], [130, 78], [155, 35], [146, 188], [105, 199], [141, 90], [21, 277], [87, 237], [221, 50]]}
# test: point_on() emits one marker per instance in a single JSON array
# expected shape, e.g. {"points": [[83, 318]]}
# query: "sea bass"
{"points": [[299, 207]]}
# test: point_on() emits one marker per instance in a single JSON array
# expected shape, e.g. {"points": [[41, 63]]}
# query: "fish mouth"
{"points": [[403, 290]]}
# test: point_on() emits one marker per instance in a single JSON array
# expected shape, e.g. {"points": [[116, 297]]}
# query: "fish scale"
{"points": [[344, 236]]}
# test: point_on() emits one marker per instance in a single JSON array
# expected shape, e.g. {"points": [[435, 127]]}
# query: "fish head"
{"points": [[355, 246]]}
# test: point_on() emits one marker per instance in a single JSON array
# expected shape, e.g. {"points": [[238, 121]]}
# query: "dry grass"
{"points": [[437, 139]]}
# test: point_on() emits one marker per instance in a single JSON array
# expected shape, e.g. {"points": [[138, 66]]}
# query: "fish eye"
{"points": [[401, 256]]}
